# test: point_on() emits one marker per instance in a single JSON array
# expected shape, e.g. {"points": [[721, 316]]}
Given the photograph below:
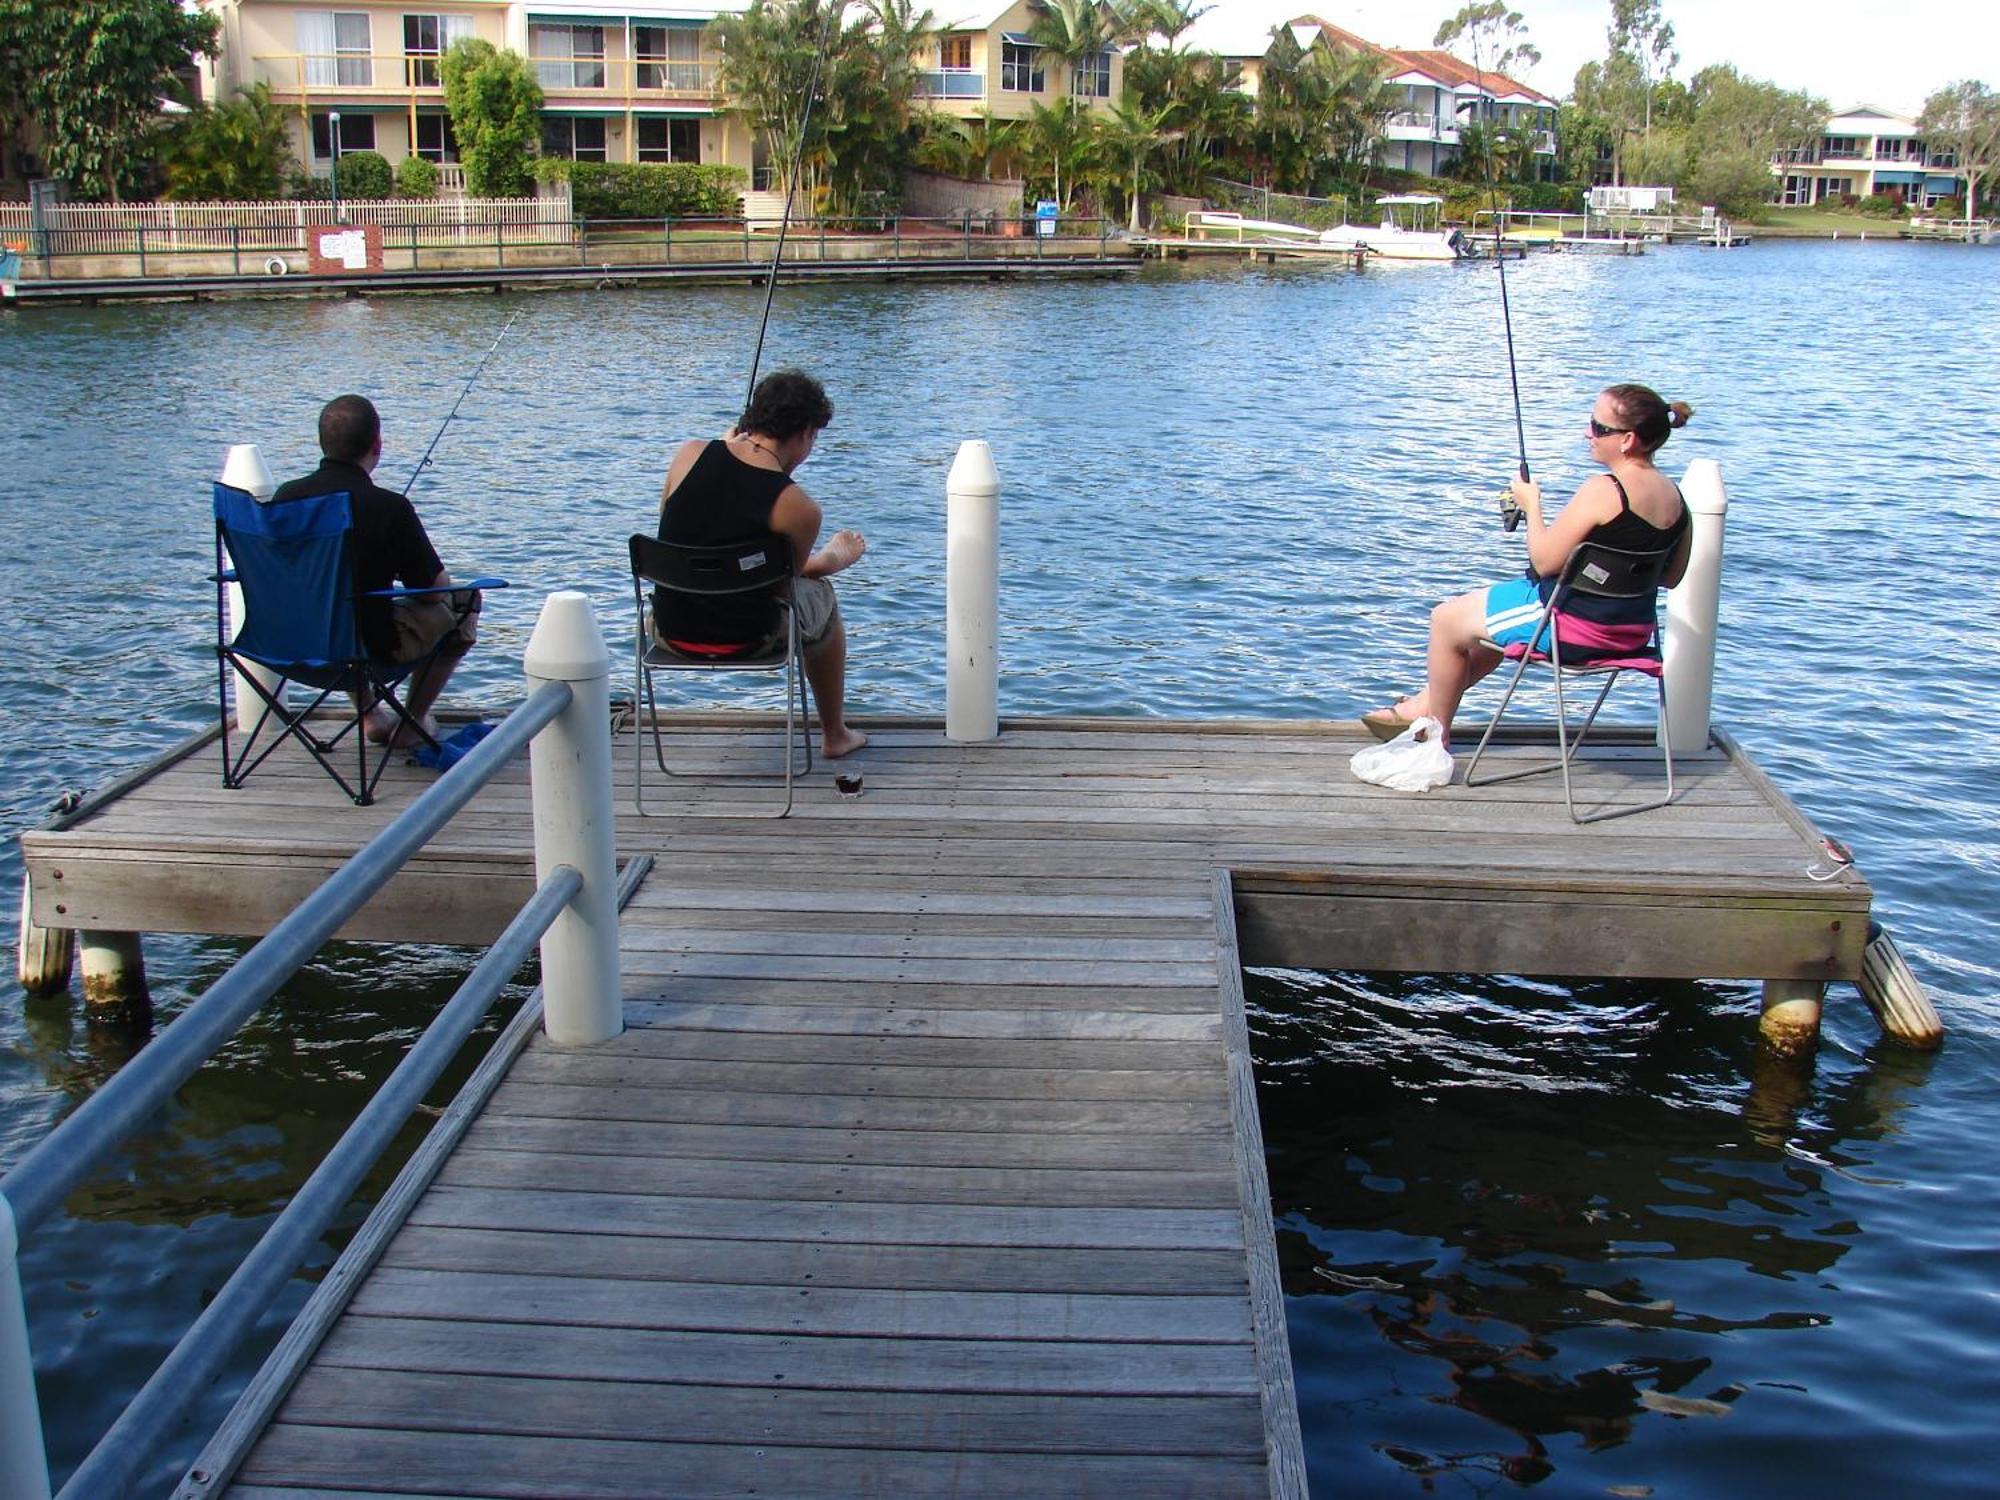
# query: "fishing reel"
{"points": [[1510, 513]]}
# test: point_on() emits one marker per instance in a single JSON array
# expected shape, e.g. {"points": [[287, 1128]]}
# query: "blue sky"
{"points": [[1848, 51]]}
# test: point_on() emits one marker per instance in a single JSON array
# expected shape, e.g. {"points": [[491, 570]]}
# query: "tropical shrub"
{"points": [[496, 116], [416, 177], [647, 190], [238, 151], [364, 174]]}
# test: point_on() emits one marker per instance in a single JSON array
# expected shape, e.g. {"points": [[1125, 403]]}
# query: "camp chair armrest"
{"points": [[227, 575], [450, 588]]}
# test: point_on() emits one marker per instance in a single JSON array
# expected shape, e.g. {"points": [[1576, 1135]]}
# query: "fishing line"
{"points": [[1511, 516], [833, 11], [471, 380]]}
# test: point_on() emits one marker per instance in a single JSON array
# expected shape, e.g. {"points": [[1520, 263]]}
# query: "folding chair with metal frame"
{"points": [[741, 571], [292, 562], [1600, 572]]}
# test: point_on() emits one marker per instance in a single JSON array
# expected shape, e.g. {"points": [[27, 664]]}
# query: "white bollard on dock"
{"points": [[245, 469], [570, 766], [43, 954], [24, 1463], [972, 595], [1893, 993], [1692, 608]]}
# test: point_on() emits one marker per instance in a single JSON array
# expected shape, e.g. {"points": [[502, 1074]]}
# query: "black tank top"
{"points": [[719, 502], [1629, 532]]}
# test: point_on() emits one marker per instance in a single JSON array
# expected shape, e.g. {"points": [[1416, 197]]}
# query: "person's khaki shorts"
{"points": [[814, 602], [421, 623]]}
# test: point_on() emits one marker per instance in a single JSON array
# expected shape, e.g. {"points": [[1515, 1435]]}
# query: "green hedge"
{"points": [[416, 177], [364, 174], [647, 190]]}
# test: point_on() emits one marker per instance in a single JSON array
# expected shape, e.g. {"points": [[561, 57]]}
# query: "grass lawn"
{"points": [[1826, 222]]}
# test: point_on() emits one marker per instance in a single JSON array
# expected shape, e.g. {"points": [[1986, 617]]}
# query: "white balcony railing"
{"points": [[295, 75], [952, 83]]}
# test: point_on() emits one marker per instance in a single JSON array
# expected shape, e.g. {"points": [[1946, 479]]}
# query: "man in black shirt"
{"points": [[388, 548]]}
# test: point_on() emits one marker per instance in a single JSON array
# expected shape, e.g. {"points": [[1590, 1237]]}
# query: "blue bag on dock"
{"points": [[452, 749]]}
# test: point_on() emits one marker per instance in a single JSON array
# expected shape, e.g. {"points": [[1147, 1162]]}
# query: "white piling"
{"points": [[569, 764], [24, 1463], [972, 595], [245, 469], [1789, 1023], [43, 954], [1893, 993], [1692, 608], [114, 968]]}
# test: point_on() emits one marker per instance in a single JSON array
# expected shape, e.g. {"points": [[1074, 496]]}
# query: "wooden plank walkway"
{"points": [[929, 1160]]}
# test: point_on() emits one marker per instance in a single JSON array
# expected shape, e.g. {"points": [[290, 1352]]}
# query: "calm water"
{"points": [[1559, 1237]]}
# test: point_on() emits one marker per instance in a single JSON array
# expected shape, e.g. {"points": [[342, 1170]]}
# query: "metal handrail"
{"points": [[195, 1361], [70, 1152]]}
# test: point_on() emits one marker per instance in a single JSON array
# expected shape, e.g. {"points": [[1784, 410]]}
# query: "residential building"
{"points": [[986, 62], [622, 82], [1438, 93], [1866, 151]]}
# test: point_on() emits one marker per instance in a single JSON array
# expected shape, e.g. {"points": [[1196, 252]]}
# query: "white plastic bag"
{"points": [[1414, 761]]}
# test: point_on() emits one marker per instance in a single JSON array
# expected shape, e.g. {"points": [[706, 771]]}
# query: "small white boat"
{"points": [[1422, 237]]}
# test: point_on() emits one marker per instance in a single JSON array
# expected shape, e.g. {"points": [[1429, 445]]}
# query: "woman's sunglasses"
{"points": [[1598, 429]]}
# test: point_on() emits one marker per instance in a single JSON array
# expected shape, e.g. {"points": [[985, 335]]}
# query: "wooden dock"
{"points": [[929, 1160]]}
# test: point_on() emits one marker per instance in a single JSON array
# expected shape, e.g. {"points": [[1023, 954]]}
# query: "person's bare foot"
{"points": [[379, 723], [406, 738], [846, 742], [843, 550]]}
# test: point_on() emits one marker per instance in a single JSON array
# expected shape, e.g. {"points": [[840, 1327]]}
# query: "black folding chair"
{"points": [[1603, 573], [293, 562], [747, 571]]}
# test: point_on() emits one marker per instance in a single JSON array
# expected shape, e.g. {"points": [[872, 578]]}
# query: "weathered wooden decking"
{"points": [[929, 1161]]}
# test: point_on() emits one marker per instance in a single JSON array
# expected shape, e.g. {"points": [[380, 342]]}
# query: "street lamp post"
{"points": [[333, 171]]}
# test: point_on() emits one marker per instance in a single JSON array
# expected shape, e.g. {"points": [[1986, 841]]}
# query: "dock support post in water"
{"points": [[44, 953], [114, 968], [1893, 993], [1692, 606], [24, 1464], [569, 763], [972, 595], [1790, 1022], [244, 469]]}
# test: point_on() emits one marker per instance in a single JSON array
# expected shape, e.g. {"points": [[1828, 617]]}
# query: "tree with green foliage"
{"points": [[239, 151], [1963, 120], [1208, 118], [1641, 32], [416, 177], [1731, 127], [496, 115], [1497, 36], [91, 73], [1132, 136], [964, 148], [365, 175], [1608, 92], [1059, 147], [1320, 114], [1581, 138]]}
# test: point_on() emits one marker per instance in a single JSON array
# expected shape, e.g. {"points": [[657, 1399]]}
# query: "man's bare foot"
{"points": [[842, 550], [406, 738], [846, 742], [379, 723]]}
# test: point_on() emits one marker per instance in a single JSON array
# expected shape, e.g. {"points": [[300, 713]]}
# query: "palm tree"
{"points": [[1058, 141], [1131, 135]]}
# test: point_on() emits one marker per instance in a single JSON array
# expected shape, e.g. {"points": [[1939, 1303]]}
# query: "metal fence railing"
{"points": [[568, 670], [278, 242]]}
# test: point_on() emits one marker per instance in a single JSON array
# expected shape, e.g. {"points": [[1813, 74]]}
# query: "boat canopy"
{"points": [[1407, 200]]}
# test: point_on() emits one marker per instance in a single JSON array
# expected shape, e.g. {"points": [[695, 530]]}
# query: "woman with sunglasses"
{"points": [[1632, 506]]}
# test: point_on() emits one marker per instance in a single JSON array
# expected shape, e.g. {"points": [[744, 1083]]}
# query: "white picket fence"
{"points": [[123, 228]]}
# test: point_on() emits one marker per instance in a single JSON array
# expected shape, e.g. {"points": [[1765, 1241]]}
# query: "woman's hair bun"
{"points": [[1679, 413]]}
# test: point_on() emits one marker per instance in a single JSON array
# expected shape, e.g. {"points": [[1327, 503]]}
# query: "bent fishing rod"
{"points": [[471, 380], [833, 10], [1510, 513]]}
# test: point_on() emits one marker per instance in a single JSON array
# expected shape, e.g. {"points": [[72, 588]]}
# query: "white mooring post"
{"points": [[114, 968], [24, 1464], [42, 954], [245, 469], [1692, 607], [972, 595], [569, 763]]}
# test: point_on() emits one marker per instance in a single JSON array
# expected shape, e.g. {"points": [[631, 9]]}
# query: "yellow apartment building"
{"points": [[985, 62]]}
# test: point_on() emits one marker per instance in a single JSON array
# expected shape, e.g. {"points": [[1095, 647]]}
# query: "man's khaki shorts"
{"points": [[421, 623]]}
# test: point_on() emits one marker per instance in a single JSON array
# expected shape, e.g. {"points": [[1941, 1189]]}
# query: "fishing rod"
{"points": [[833, 10], [424, 462], [1510, 513]]}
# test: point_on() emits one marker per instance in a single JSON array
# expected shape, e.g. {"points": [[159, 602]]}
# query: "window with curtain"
{"points": [[425, 40], [955, 51], [669, 58], [1091, 78], [568, 57], [1021, 68]]}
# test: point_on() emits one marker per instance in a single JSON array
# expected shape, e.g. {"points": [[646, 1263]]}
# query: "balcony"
{"points": [[951, 83], [296, 76], [642, 78]]}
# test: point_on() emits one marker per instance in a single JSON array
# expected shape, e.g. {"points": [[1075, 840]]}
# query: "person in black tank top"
{"points": [[1633, 506], [739, 488]]}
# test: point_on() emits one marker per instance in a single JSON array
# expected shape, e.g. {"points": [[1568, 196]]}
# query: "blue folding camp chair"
{"points": [[292, 561]]}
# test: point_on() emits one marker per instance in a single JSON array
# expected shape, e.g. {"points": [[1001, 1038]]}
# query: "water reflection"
{"points": [[1524, 1224]]}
